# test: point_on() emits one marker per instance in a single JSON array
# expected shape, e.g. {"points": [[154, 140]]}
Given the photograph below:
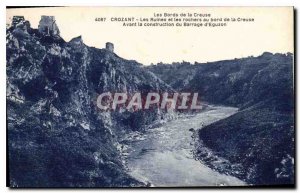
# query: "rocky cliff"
{"points": [[258, 141], [56, 135]]}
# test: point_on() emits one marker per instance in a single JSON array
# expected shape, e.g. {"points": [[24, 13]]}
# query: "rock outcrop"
{"points": [[56, 135], [17, 19]]}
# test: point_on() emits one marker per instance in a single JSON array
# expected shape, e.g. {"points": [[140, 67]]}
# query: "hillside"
{"points": [[237, 82], [56, 135], [258, 141]]}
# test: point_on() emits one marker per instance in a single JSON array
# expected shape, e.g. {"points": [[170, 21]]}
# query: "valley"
{"points": [[163, 155]]}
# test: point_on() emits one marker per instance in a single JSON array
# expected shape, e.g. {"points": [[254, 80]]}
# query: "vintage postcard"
{"points": [[150, 97]]}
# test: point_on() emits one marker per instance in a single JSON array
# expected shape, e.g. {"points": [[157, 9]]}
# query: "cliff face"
{"points": [[56, 135], [259, 139]]}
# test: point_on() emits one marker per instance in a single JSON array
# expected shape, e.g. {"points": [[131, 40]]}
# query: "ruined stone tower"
{"points": [[47, 26], [109, 46]]}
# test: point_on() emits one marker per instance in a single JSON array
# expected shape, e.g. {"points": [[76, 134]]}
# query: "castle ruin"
{"points": [[47, 26], [109, 46]]}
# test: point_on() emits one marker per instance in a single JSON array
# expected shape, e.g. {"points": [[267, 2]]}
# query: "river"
{"points": [[163, 155]]}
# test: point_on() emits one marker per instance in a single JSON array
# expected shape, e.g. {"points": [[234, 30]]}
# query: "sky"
{"points": [[272, 31]]}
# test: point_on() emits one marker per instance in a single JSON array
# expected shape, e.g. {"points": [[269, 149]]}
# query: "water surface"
{"points": [[163, 156]]}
